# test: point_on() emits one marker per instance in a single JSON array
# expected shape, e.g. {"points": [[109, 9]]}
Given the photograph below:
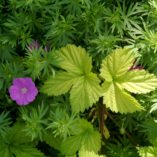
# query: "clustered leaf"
{"points": [[16, 143]]}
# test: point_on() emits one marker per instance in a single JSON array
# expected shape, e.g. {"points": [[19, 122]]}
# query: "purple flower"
{"points": [[23, 91], [33, 45]]}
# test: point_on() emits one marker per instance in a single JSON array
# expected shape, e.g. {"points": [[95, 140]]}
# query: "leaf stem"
{"points": [[127, 133]]}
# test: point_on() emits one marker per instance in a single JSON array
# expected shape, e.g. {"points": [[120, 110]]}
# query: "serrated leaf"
{"points": [[75, 59], [60, 84], [118, 100], [118, 76], [147, 151], [84, 153], [71, 145], [85, 136], [52, 141], [139, 81], [116, 64], [26, 151], [85, 92], [84, 85]]}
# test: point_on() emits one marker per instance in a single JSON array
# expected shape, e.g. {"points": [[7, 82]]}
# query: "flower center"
{"points": [[24, 90]]}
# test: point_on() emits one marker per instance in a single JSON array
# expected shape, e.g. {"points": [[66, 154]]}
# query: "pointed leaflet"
{"points": [[147, 151], [85, 92], [116, 71], [116, 64], [75, 59], [78, 77], [85, 136], [60, 84], [139, 81], [118, 100]]}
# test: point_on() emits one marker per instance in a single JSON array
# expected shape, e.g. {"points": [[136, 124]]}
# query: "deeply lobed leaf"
{"points": [[84, 85], [116, 70], [84, 136]]}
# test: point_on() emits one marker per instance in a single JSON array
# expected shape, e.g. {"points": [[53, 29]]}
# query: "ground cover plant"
{"points": [[78, 78]]}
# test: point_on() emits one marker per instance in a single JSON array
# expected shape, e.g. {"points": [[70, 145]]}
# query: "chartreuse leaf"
{"points": [[85, 92], [119, 77], [60, 84], [119, 100], [84, 136], [116, 64], [147, 151], [75, 59], [15, 142], [85, 153], [139, 81], [77, 77]]}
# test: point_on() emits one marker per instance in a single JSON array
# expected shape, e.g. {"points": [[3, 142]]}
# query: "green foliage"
{"points": [[83, 153], [118, 75], [5, 122], [123, 18], [9, 71], [84, 89], [150, 128], [61, 30], [147, 151], [16, 143], [40, 63], [117, 150], [35, 121], [19, 28], [84, 136], [85, 84], [61, 123]]}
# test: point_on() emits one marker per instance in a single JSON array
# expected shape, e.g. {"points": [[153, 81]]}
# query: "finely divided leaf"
{"points": [[17, 143], [118, 100], [139, 81]]}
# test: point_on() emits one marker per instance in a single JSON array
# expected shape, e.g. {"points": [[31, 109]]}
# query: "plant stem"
{"points": [[129, 136]]}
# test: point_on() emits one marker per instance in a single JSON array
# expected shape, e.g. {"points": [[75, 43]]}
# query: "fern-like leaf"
{"points": [[17, 143]]}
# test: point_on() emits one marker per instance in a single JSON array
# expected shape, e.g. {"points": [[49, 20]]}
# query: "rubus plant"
{"points": [[78, 78]]}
